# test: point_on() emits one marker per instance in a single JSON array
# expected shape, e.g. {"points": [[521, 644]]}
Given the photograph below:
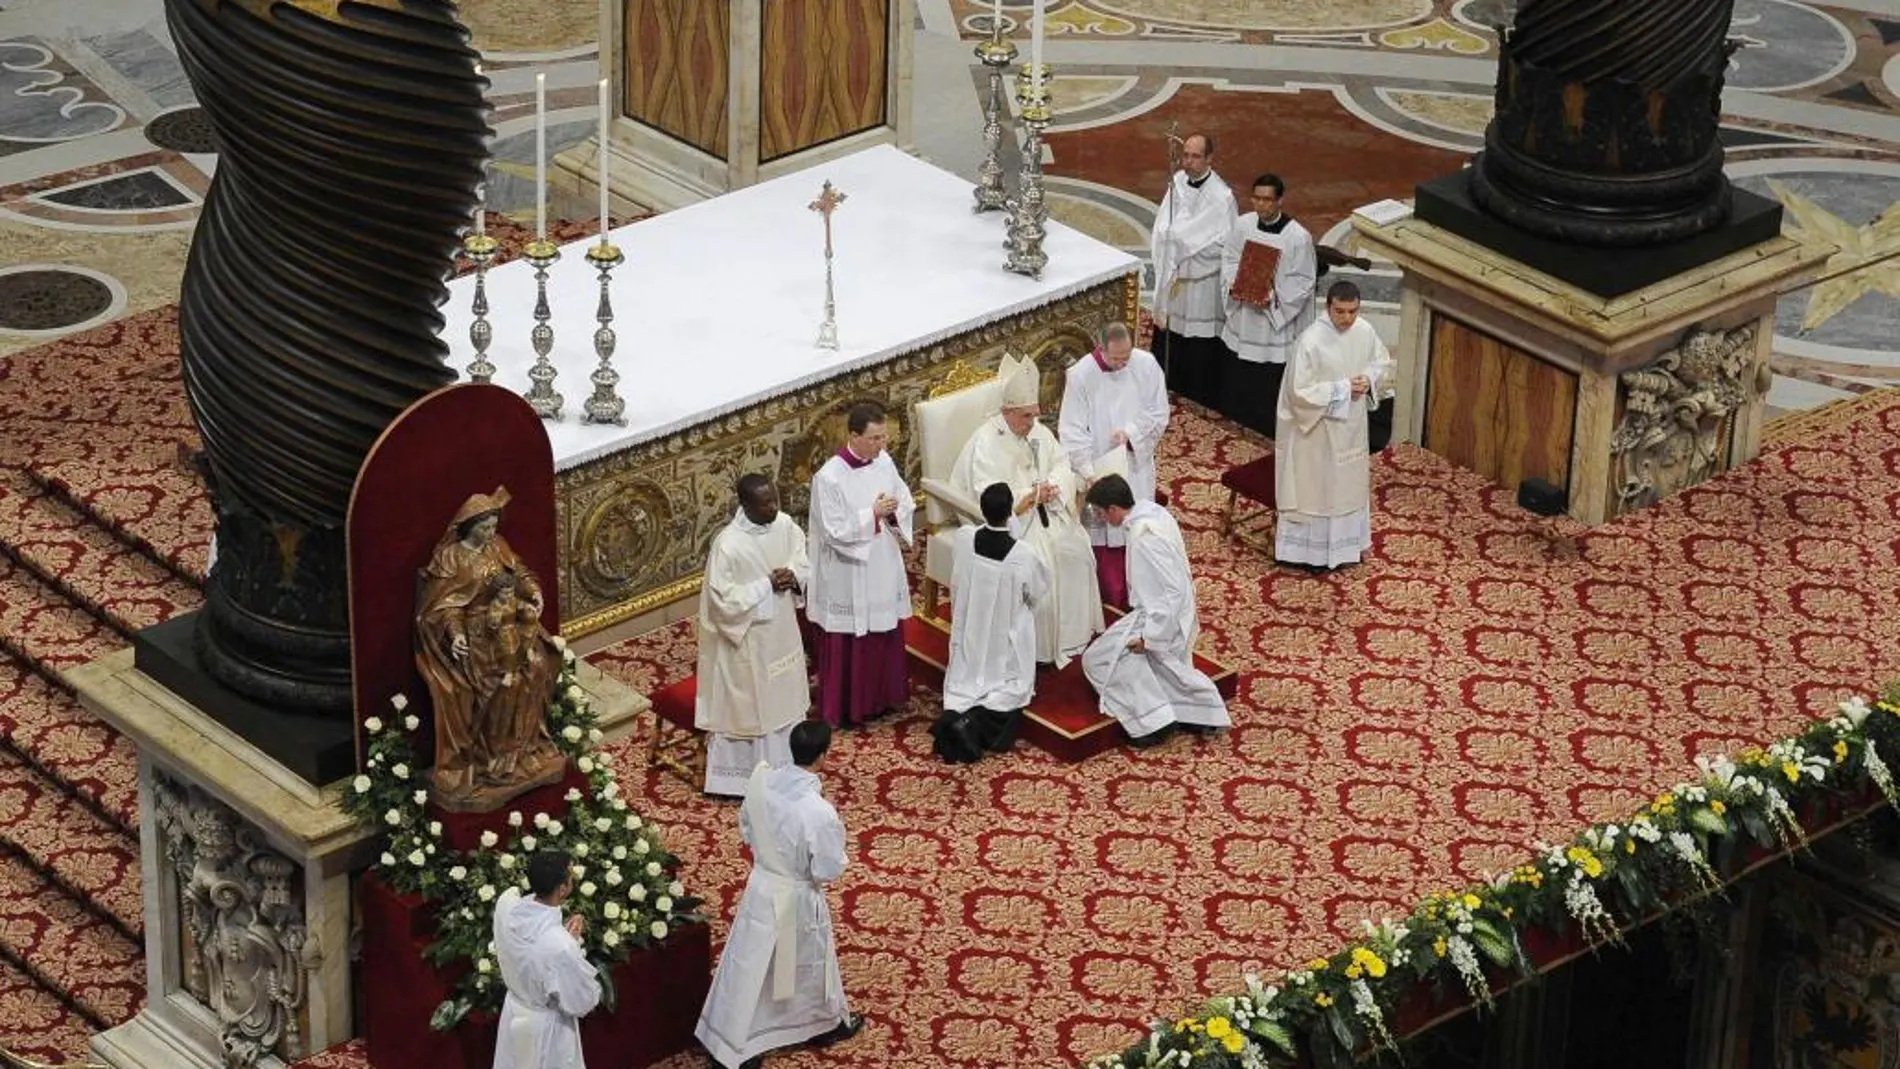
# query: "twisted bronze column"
{"points": [[1606, 125], [351, 139]]}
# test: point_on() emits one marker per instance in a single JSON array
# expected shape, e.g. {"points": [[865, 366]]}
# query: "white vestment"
{"points": [[993, 611], [1321, 472], [1149, 690], [1266, 335], [1190, 229], [777, 983], [1072, 613], [551, 986], [858, 582], [1096, 403], [751, 677]]}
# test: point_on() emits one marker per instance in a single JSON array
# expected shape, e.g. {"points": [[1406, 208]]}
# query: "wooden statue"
{"points": [[490, 667]]}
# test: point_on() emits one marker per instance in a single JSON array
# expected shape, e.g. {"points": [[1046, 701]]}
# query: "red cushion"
{"points": [[675, 704], [1252, 481]]}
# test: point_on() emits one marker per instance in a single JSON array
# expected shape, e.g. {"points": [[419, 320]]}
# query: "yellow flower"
{"points": [[1318, 964], [1665, 800], [1322, 999], [1792, 771], [1473, 901], [1585, 860], [1233, 1042], [1353, 972], [1629, 845], [1438, 946], [1717, 808], [1218, 1028], [1840, 751], [1507, 912], [1363, 958], [1185, 1024]]}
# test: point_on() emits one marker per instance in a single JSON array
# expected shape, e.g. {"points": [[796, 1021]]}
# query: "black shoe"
{"points": [[1152, 739], [1200, 729], [847, 1028], [754, 1062]]}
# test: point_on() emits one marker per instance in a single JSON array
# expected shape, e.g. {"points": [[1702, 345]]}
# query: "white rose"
{"points": [[637, 893], [653, 868], [612, 877], [586, 765], [595, 736], [620, 852], [540, 820], [574, 694], [619, 804], [580, 849], [399, 702], [489, 839], [610, 938], [554, 827], [484, 965], [421, 797], [485, 892], [410, 723], [361, 784], [580, 872], [528, 842], [388, 859], [602, 824], [458, 873], [400, 771], [676, 889], [573, 794], [588, 889], [435, 827], [571, 733], [659, 929], [429, 849], [417, 858], [506, 861], [664, 904], [373, 725], [514, 819], [611, 911], [559, 642], [633, 822], [392, 818]]}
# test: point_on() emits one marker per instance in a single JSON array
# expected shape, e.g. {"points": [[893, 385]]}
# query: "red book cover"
{"points": [[1253, 283]]}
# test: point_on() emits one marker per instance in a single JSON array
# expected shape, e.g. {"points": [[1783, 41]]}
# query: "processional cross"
{"points": [[828, 200]]}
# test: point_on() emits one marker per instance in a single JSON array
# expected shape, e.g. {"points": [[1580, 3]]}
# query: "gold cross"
{"points": [[828, 200]]}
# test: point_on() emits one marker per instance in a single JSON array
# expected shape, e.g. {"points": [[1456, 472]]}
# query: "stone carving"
{"points": [[1677, 413], [243, 910]]}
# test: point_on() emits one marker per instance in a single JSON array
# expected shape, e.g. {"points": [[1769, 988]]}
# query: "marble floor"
{"points": [[104, 156]]}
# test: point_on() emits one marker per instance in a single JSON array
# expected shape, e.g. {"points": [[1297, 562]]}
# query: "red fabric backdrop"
{"points": [[457, 441]]}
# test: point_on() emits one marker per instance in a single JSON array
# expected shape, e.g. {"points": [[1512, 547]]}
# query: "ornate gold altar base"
{"points": [[634, 527], [1619, 402]]}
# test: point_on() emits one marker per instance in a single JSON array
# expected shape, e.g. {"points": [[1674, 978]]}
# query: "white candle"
{"points": [[996, 19], [1035, 52], [603, 161], [481, 196], [540, 157]]}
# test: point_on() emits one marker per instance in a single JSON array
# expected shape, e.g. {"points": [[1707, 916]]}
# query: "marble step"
{"points": [[68, 552], [34, 1024], [82, 960], [88, 857], [43, 725]]}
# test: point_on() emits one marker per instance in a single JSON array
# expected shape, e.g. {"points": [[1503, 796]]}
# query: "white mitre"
{"points": [[1022, 383]]}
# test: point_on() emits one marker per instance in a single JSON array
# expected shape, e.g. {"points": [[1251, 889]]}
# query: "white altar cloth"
{"points": [[717, 304]]}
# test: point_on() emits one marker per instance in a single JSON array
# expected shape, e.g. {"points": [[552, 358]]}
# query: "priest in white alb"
{"points": [[1261, 332], [995, 588], [1142, 667], [751, 676], [777, 984], [551, 984], [1193, 224], [1321, 467], [1014, 447], [1114, 412], [859, 595]]}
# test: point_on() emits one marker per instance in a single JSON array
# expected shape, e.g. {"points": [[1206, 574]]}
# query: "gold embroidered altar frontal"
{"points": [[634, 526]]}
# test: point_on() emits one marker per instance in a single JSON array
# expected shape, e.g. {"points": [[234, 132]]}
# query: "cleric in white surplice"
{"points": [[1013, 447], [751, 676], [1114, 412], [995, 587], [1321, 469], [1143, 665], [777, 983], [551, 984]]}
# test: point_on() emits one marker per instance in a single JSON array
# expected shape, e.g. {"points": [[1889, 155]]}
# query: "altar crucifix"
{"points": [[828, 200]]}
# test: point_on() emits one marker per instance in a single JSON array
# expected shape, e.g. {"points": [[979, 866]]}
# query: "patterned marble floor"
{"points": [[104, 155]]}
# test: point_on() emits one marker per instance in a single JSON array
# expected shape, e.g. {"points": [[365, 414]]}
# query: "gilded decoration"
{"points": [[1677, 414], [634, 526]]}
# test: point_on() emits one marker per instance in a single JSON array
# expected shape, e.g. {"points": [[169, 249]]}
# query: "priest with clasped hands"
{"points": [[1014, 448], [551, 984], [1114, 412]]}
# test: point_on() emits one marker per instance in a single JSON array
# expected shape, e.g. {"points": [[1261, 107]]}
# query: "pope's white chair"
{"points": [[943, 423]]}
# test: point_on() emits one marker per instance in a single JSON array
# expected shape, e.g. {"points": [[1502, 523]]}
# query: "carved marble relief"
{"points": [[1678, 413], [244, 945]]}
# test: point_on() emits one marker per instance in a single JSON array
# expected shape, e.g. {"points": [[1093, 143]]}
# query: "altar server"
{"points": [[551, 984], [1261, 333], [752, 682], [1143, 665], [1114, 412], [1190, 308], [1014, 447], [777, 983], [996, 587], [1322, 477], [860, 594]]}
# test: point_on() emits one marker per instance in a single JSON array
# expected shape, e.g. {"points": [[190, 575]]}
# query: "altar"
{"points": [[717, 307]]}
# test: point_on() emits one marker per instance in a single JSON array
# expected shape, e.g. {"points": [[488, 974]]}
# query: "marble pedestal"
{"points": [[716, 95], [248, 873], [1617, 402]]}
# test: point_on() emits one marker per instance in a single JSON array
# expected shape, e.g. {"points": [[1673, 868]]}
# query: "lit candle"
{"points": [[481, 199], [1035, 52], [541, 157], [996, 20], [603, 161]]}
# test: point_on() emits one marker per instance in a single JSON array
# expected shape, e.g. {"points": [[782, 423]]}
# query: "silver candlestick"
{"points": [[605, 406], [828, 200], [481, 250], [1030, 210], [996, 54], [542, 253]]}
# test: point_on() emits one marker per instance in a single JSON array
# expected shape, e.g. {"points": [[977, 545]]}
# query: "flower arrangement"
{"points": [[627, 892], [1670, 853]]}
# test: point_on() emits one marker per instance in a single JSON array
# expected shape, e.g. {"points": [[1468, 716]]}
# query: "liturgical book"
{"points": [[1253, 283]]}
